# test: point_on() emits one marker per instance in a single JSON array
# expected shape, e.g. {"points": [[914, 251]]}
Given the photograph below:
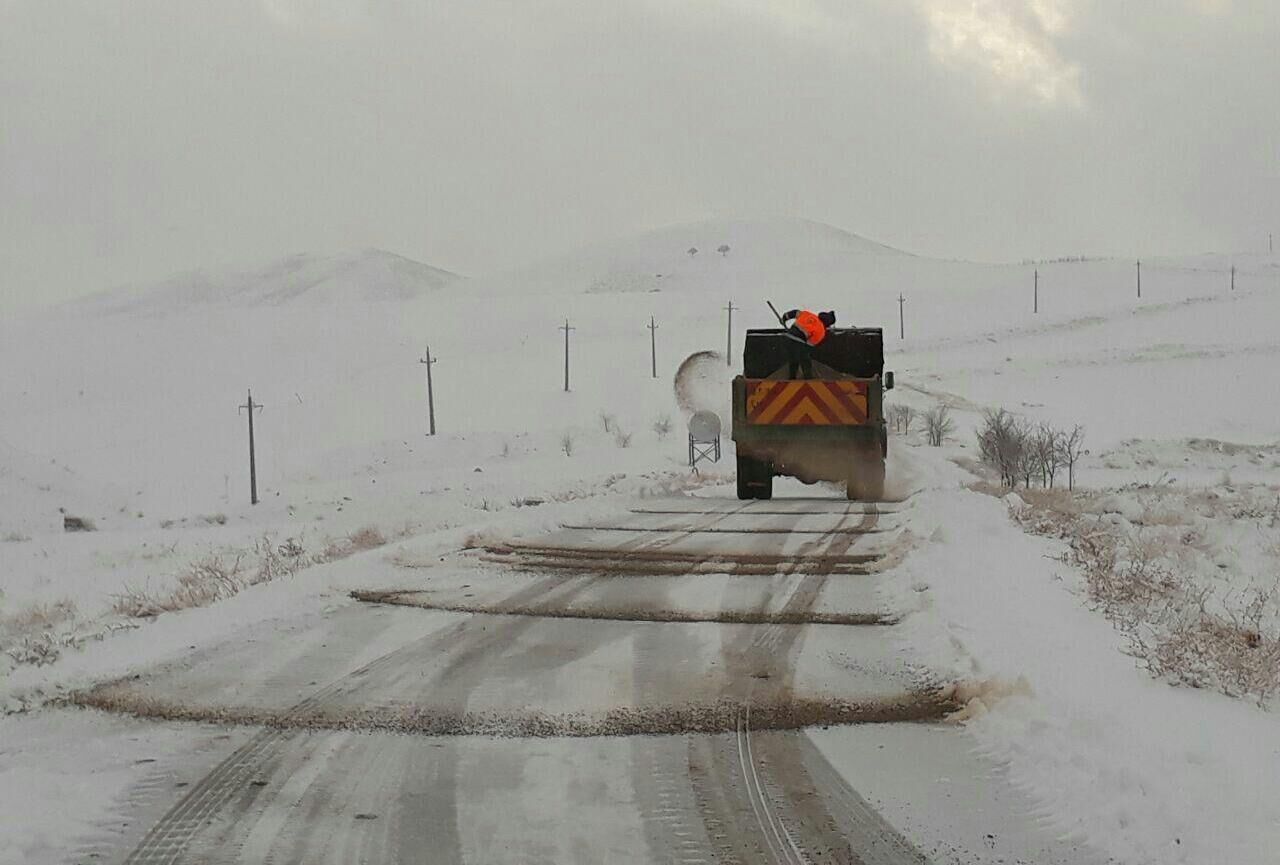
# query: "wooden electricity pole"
{"points": [[429, 361], [902, 321], [1035, 293], [653, 345], [728, 346], [566, 330], [251, 407], [1233, 277], [1139, 279]]}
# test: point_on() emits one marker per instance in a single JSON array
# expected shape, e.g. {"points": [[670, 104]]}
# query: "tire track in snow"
{"points": [[168, 842]]}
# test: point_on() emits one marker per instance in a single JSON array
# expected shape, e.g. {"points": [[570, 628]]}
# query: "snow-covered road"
{"points": [[692, 682]]}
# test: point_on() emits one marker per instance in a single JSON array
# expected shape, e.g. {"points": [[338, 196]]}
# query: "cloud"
{"points": [[1211, 7], [1009, 42], [142, 137], [318, 17]]}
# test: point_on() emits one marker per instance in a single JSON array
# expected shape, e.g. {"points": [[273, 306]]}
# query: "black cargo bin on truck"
{"points": [[827, 428]]}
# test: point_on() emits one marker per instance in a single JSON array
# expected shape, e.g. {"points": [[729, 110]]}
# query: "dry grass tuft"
{"points": [[37, 633], [363, 540], [202, 583], [1177, 628], [219, 576], [368, 538], [40, 617]]}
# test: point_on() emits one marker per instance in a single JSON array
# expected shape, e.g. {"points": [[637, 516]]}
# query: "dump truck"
{"points": [[827, 428]]}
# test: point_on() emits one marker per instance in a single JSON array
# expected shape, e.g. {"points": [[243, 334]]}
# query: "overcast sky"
{"points": [[141, 137]]}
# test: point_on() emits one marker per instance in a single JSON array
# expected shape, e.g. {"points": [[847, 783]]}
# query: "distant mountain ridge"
{"points": [[367, 276], [711, 254], [715, 254]]}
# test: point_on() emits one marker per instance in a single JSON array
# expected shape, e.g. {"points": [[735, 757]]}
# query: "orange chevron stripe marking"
{"points": [[804, 403], [838, 409]]}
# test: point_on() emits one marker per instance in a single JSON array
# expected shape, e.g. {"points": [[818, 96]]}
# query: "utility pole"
{"points": [[1233, 277], [902, 326], [1035, 293], [653, 344], [251, 407], [1139, 279], [728, 347], [429, 361], [566, 330]]}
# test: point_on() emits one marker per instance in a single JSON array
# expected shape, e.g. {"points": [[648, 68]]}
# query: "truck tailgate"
{"points": [[810, 402]]}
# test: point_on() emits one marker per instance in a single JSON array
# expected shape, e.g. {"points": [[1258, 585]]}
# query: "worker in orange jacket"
{"points": [[806, 331]]}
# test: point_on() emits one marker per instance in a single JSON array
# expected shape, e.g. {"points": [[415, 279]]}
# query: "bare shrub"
{"points": [[506, 449], [938, 425], [608, 421], [1045, 446], [1070, 449], [622, 439], [1028, 466], [566, 444], [1000, 444], [1022, 451], [662, 426], [15, 538], [214, 519], [901, 417]]}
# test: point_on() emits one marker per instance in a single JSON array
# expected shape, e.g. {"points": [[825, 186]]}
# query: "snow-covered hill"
{"points": [[369, 276], [704, 256], [139, 389]]}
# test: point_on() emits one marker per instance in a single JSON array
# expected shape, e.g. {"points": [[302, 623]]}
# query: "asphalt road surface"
{"points": [[705, 681]]}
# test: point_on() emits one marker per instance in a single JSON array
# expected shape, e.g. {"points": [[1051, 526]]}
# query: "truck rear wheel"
{"points": [[764, 488], [866, 477], [755, 479]]}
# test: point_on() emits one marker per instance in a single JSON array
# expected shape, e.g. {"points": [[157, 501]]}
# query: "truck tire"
{"points": [[866, 477], [746, 475], [764, 490], [755, 479]]}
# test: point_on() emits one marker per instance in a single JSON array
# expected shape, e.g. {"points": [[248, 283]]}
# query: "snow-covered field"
{"points": [[122, 410]]}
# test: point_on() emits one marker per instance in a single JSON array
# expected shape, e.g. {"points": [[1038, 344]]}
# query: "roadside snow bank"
{"points": [[1147, 772]]}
